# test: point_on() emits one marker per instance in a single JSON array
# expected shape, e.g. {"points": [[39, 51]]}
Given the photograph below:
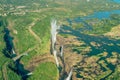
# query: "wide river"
{"points": [[88, 39]]}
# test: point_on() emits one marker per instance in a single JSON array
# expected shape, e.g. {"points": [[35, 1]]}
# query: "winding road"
{"points": [[4, 69], [32, 32], [34, 35]]}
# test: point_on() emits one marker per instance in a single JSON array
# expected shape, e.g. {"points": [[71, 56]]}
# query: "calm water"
{"points": [[102, 14], [96, 15], [117, 1]]}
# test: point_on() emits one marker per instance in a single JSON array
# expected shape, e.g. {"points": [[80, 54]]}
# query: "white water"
{"points": [[56, 59], [54, 28], [69, 75], [61, 51], [29, 74], [13, 51], [88, 0]]}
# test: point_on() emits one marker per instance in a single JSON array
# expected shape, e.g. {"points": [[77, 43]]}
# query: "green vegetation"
{"points": [[19, 29], [45, 71], [12, 75], [115, 74], [3, 59], [103, 26]]}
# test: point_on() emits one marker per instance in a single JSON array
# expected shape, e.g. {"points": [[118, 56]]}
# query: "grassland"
{"points": [[45, 71]]}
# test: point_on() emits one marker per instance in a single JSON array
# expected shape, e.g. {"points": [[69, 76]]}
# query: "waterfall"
{"points": [[13, 51], [61, 51], [30, 73], [69, 75], [54, 31], [24, 77], [88, 0], [54, 28], [55, 55]]}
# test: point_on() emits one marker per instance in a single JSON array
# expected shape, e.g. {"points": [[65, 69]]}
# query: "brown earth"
{"points": [[35, 61]]}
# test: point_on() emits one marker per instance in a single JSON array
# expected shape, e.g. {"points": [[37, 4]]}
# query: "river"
{"points": [[102, 40], [96, 15], [117, 1], [101, 15]]}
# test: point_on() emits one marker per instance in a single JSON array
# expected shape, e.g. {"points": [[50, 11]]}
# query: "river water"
{"points": [[102, 40], [117, 1], [101, 15], [96, 15]]}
